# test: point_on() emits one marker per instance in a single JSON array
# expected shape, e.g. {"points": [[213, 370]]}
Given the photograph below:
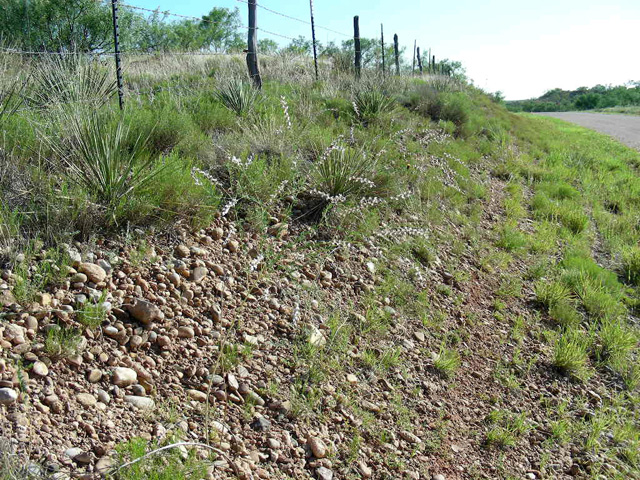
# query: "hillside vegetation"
{"points": [[598, 97], [390, 277]]}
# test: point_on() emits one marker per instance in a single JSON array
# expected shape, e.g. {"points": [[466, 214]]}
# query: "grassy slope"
{"points": [[511, 244]]}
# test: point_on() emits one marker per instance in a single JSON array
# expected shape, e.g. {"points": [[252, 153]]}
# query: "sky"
{"points": [[521, 49]]}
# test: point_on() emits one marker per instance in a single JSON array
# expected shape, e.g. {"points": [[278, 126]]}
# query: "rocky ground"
{"points": [[236, 340]]}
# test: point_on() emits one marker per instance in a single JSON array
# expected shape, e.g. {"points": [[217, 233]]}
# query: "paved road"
{"points": [[625, 128]]}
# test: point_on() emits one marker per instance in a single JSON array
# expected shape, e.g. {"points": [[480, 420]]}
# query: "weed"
{"points": [[62, 342], [174, 464], [92, 315], [447, 362]]}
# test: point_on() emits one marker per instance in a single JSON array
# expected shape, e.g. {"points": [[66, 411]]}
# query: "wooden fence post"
{"points": [[313, 36], [382, 42], [419, 61], [252, 46], [433, 64], [116, 51], [395, 49], [413, 65], [356, 45]]}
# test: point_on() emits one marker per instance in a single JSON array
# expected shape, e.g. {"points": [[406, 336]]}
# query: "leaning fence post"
{"points": [[382, 42], [356, 45], [116, 52], [313, 36], [419, 60], [395, 50], [252, 46]]}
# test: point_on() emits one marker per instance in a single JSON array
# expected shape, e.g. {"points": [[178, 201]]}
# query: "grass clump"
{"points": [[62, 342], [630, 257], [506, 428], [447, 362], [571, 354], [172, 464]]}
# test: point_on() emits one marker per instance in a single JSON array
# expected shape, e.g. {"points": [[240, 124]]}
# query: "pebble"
{"points": [[123, 377], [317, 446], [40, 369], [438, 477], [324, 473], [94, 272], [186, 332], [260, 424], [197, 395], [142, 403], [103, 396], [198, 274], [145, 312], [365, 470], [8, 396], [86, 400]]}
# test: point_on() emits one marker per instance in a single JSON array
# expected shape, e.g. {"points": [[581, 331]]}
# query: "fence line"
{"points": [[253, 28], [296, 19]]}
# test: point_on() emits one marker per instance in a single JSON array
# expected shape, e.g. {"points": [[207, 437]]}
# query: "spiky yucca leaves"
{"points": [[342, 172], [369, 104], [70, 79], [238, 96], [97, 156]]}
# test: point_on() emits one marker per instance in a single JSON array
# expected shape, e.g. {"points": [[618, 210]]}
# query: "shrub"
{"points": [[238, 96]]}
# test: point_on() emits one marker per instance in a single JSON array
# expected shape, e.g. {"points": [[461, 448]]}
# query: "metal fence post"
{"points": [[116, 52], [313, 36], [356, 45]]}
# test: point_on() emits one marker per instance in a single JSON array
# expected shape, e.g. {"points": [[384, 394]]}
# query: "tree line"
{"points": [[583, 98]]}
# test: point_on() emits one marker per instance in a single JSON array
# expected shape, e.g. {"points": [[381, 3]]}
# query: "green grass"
{"points": [[447, 362], [169, 465]]}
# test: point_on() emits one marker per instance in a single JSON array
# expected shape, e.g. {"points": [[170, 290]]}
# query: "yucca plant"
{"points": [[345, 171], [98, 156], [71, 79], [238, 96], [369, 104]]}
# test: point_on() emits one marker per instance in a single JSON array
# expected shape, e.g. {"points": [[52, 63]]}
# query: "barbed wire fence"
{"points": [[251, 52]]}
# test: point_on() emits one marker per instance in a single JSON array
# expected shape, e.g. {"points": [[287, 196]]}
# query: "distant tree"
{"points": [[588, 101], [300, 46], [267, 46]]}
